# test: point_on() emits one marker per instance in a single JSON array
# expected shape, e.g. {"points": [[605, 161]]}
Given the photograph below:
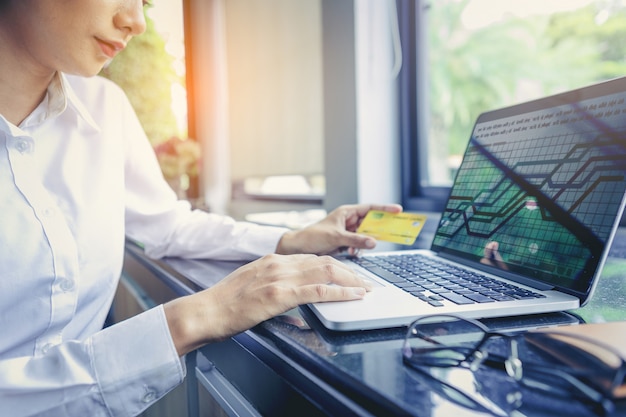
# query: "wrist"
{"points": [[192, 323], [286, 245]]}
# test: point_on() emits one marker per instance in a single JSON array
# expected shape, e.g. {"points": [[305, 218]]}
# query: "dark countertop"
{"points": [[363, 372]]}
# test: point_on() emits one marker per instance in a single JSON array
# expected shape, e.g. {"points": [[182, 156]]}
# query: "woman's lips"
{"points": [[110, 48]]}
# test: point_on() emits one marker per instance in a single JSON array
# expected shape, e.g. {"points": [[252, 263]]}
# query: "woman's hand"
{"points": [[335, 233], [256, 292]]}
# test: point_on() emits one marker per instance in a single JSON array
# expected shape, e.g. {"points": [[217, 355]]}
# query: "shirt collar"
{"points": [[64, 93], [59, 96]]}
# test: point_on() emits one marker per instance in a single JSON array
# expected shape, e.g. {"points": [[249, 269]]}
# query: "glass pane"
{"points": [[151, 70], [485, 54]]}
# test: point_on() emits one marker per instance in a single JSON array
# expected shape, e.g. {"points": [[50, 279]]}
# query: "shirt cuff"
{"points": [[136, 362]]}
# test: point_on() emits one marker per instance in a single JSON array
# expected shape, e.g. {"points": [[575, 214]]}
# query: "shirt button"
{"points": [[48, 212], [149, 397], [45, 348], [23, 146], [66, 285]]}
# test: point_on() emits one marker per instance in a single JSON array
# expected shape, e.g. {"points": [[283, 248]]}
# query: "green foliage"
{"points": [[476, 70], [144, 71], [605, 36]]}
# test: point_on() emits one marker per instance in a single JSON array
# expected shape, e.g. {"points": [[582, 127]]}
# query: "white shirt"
{"points": [[77, 176]]}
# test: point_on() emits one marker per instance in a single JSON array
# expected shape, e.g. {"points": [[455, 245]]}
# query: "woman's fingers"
{"points": [[258, 291]]}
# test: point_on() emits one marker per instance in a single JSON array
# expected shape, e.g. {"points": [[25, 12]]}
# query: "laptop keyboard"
{"points": [[433, 281]]}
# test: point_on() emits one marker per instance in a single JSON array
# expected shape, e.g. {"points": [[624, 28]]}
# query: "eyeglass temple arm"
{"points": [[513, 364]]}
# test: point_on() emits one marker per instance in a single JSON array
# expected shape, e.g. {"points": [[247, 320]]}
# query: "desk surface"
{"points": [[363, 372]]}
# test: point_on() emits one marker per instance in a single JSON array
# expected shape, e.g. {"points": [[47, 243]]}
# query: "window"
{"points": [[151, 70], [290, 89], [462, 57]]}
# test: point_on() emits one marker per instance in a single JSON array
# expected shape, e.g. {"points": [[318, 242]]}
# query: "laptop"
{"points": [[528, 223]]}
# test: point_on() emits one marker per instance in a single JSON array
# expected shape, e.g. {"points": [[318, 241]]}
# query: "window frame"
{"points": [[413, 110]]}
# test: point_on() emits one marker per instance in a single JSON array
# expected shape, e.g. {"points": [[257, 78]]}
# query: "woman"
{"points": [[77, 176]]}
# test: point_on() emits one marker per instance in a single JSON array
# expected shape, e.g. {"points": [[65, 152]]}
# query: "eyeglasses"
{"points": [[551, 362], [486, 390]]}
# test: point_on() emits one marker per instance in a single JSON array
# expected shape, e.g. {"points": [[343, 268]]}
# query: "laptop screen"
{"points": [[541, 187]]}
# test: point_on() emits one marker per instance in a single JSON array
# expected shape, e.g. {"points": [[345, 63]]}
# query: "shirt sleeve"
{"points": [[97, 378], [167, 227]]}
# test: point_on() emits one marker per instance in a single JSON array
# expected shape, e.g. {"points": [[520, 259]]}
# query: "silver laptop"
{"points": [[528, 224]]}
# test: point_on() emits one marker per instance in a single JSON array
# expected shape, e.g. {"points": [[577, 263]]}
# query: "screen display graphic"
{"points": [[539, 191]]}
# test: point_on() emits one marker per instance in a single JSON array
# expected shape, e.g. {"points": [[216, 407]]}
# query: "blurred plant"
{"points": [[144, 71], [178, 157]]}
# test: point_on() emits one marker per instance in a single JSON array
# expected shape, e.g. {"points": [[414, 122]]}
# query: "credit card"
{"points": [[401, 228]]}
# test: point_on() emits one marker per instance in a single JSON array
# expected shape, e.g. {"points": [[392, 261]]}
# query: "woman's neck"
{"points": [[22, 86]]}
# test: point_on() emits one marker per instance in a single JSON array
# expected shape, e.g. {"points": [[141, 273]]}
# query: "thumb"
{"points": [[358, 241]]}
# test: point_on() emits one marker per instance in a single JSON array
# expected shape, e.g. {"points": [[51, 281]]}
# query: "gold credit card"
{"points": [[401, 228]]}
